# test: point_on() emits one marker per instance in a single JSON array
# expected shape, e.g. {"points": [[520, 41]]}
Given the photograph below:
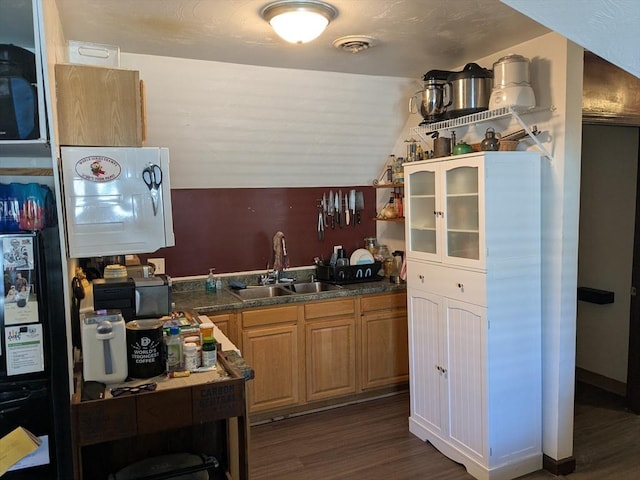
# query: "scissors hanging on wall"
{"points": [[152, 176]]}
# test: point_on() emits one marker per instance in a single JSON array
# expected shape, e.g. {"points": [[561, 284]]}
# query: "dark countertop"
{"points": [[221, 301]]}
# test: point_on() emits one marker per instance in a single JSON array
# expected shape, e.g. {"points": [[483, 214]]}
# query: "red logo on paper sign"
{"points": [[98, 168]]}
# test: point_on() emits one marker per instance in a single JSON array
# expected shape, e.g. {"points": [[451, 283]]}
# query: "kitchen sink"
{"points": [[256, 293], [272, 291], [312, 287]]}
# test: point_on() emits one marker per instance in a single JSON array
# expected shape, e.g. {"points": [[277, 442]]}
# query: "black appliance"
{"points": [[34, 373]]}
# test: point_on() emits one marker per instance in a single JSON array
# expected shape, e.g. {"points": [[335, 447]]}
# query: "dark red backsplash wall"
{"points": [[231, 229]]}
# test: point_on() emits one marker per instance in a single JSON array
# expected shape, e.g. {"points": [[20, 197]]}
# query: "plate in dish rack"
{"points": [[361, 257]]}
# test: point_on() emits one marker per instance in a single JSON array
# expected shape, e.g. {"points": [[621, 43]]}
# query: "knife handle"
{"points": [[333, 222], [346, 216], [358, 215]]}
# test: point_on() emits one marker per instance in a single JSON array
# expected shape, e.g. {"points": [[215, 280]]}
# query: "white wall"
{"points": [[230, 125], [556, 77], [607, 221]]}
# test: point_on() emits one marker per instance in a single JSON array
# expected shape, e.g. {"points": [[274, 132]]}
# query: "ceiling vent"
{"points": [[354, 43]]}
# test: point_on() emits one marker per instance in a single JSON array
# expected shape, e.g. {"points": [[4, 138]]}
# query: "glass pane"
{"points": [[462, 212], [463, 245], [462, 180], [423, 183], [422, 212], [423, 240], [423, 205]]}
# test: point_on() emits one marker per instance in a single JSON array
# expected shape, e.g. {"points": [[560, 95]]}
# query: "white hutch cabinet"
{"points": [[473, 277]]}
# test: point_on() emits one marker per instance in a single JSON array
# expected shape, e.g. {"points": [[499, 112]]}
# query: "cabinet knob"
{"points": [[421, 277], [461, 286]]}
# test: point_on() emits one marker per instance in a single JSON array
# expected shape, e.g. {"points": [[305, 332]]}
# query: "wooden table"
{"points": [[203, 413]]}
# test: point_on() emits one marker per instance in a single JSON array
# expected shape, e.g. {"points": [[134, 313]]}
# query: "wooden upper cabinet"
{"points": [[99, 106]]}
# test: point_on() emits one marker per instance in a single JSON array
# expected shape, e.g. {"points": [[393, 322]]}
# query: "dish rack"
{"points": [[367, 272]]}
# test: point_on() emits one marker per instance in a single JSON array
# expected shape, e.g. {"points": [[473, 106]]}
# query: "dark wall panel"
{"points": [[232, 229]]}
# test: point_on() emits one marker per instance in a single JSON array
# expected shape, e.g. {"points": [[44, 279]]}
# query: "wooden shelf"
{"points": [[397, 220], [389, 185]]}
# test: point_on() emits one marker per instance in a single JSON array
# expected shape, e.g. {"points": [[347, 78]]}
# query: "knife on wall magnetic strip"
{"points": [[359, 206]]}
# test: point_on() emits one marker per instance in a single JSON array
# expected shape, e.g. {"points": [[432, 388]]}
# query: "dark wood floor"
{"points": [[371, 441]]}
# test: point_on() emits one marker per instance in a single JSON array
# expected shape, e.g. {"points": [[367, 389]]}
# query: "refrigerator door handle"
{"points": [[13, 400]]}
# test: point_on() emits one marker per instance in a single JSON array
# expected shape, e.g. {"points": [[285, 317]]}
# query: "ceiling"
{"points": [[412, 36]]}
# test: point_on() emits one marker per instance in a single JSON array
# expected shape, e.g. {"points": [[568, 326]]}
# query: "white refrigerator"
{"points": [[117, 200]]}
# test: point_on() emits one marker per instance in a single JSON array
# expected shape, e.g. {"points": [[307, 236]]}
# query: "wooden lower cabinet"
{"points": [[330, 342], [317, 353], [384, 349], [270, 346]]}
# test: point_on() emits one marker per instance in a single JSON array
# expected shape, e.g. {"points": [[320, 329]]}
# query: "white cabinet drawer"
{"points": [[458, 284]]}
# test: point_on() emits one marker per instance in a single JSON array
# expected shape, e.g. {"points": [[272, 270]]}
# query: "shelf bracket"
{"points": [[531, 135]]}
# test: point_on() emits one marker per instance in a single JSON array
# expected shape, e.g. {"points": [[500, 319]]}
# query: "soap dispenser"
{"points": [[210, 285]]}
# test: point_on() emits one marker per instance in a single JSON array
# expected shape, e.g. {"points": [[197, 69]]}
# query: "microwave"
{"points": [[134, 297]]}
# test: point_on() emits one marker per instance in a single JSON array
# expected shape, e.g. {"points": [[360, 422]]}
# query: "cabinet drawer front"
{"points": [[383, 302], [449, 282], [269, 316], [329, 308], [103, 421]]}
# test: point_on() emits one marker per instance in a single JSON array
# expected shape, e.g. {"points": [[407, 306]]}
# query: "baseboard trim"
{"points": [[602, 382], [564, 466]]}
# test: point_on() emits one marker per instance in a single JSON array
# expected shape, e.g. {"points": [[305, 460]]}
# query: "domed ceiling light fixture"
{"points": [[299, 21]]}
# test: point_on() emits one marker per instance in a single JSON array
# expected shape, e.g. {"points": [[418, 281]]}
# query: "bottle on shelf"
{"points": [[398, 204], [398, 171]]}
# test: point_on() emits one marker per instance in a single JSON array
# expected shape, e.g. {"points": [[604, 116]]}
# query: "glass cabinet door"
{"points": [[462, 213], [422, 236]]}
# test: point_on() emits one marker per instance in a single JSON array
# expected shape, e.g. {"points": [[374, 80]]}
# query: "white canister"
{"points": [[511, 84], [104, 347], [511, 70]]}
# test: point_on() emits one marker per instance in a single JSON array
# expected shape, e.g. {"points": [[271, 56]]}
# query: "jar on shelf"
{"points": [[398, 171]]}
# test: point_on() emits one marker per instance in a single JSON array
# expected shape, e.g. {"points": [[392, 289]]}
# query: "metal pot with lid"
{"points": [[471, 89]]}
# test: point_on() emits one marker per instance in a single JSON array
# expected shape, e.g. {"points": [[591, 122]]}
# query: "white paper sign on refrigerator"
{"points": [[117, 200]]}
